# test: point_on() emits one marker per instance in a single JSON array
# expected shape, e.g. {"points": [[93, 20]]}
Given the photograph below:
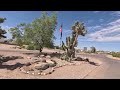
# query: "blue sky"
{"points": [[103, 26]]}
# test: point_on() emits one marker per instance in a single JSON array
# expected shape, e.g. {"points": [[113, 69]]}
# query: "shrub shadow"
{"points": [[10, 67]]}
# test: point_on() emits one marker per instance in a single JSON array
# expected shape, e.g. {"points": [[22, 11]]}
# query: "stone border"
{"points": [[53, 68]]}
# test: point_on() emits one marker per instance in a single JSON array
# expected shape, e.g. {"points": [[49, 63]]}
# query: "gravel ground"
{"points": [[66, 72]]}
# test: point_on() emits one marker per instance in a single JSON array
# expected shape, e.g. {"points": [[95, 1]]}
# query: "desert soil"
{"points": [[110, 56], [66, 72]]}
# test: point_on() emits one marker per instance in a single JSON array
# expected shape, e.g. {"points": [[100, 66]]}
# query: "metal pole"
{"points": [[60, 47]]}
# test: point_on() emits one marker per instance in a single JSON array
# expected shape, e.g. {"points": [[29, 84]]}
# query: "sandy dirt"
{"points": [[66, 72], [110, 56]]}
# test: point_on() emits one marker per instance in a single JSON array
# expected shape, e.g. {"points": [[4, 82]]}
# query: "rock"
{"points": [[43, 73], [45, 54], [28, 64], [41, 66], [27, 72], [43, 60], [79, 59], [19, 57], [7, 57], [48, 57], [54, 61], [42, 56], [51, 63], [1, 58], [35, 58], [86, 59], [48, 71]]}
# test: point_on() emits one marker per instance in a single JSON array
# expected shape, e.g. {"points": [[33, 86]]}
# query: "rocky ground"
{"points": [[18, 63]]}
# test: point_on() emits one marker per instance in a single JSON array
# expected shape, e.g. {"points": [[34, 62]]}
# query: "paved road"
{"points": [[110, 68]]}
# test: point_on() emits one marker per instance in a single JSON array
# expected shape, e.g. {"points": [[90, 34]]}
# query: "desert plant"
{"points": [[71, 42], [30, 47], [116, 54], [93, 50]]}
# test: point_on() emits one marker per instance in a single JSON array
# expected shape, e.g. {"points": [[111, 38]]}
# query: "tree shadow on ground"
{"points": [[8, 58], [93, 63], [10, 67], [54, 54], [29, 53]]}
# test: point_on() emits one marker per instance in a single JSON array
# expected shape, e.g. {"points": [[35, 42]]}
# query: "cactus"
{"points": [[71, 42]]}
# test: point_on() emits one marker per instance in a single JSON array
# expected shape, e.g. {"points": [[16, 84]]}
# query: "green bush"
{"points": [[22, 46], [36, 47], [30, 47], [116, 54]]}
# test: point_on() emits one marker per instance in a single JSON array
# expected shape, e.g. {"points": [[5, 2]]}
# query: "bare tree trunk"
{"points": [[40, 48]]}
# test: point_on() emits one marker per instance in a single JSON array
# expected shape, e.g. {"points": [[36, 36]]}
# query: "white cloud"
{"points": [[103, 33], [6, 27], [96, 11], [66, 31], [93, 28], [116, 13]]}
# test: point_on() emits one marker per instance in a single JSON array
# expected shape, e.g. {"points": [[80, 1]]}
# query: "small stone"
{"points": [[60, 65], [43, 73], [33, 73], [39, 73], [27, 72]]}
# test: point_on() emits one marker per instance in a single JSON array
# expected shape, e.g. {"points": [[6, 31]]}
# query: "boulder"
{"points": [[28, 64], [41, 66], [1, 58], [6, 57], [77, 59], [48, 71], [86, 59], [51, 63], [48, 57], [45, 54], [19, 57], [43, 60], [35, 58], [42, 56]]}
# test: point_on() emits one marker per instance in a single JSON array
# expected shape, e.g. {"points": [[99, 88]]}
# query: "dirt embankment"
{"points": [[110, 56]]}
